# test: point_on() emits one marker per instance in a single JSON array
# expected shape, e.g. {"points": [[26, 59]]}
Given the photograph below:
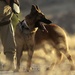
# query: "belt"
{"points": [[5, 23]]}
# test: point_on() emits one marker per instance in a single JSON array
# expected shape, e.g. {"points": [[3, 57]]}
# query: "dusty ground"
{"points": [[41, 61]]}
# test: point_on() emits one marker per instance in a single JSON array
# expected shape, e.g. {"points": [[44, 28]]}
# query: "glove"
{"points": [[14, 4], [15, 8]]}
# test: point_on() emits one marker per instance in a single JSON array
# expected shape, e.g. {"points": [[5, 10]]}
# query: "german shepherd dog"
{"points": [[25, 34]]}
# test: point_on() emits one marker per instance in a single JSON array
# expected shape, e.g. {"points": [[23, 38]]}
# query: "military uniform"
{"points": [[6, 30]]}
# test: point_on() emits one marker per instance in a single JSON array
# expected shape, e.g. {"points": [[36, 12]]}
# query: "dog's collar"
{"points": [[23, 25], [26, 25]]}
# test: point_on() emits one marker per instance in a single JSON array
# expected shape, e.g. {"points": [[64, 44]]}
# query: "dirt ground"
{"points": [[41, 62]]}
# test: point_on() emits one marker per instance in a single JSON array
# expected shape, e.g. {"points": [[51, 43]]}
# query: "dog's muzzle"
{"points": [[45, 21], [40, 25]]}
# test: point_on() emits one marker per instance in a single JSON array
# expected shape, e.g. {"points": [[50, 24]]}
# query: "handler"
{"points": [[7, 7]]}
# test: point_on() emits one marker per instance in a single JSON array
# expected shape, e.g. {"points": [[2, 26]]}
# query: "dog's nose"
{"points": [[48, 22]]}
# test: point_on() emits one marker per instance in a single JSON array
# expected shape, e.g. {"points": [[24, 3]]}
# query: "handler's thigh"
{"points": [[7, 38]]}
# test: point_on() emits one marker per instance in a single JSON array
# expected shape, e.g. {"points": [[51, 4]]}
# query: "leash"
{"points": [[22, 23], [18, 18]]}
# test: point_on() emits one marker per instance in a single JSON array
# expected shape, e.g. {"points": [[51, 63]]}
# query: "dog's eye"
{"points": [[42, 15]]}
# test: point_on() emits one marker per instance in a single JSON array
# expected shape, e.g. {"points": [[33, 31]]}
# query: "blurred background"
{"points": [[61, 12]]}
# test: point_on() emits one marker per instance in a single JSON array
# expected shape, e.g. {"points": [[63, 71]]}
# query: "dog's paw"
{"points": [[26, 70], [16, 70], [48, 68]]}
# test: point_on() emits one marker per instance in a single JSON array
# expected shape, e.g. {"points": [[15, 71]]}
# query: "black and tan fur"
{"points": [[25, 35], [54, 35]]}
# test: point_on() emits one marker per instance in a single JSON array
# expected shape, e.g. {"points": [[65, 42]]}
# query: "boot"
{"points": [[9, 65]]}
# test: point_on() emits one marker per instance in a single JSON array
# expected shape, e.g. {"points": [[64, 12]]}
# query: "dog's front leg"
{"points": [[18, 56], [30, 54]]}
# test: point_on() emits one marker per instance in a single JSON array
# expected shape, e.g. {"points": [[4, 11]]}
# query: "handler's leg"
{"points": [[7, 37]]}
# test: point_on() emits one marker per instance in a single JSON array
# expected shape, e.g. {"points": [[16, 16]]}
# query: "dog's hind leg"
{"points": [[58, 59], [30, 54], [69, 57], [66, 52]]}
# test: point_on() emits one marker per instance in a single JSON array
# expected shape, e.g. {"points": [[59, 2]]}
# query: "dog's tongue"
{"points": [[42, 27]]}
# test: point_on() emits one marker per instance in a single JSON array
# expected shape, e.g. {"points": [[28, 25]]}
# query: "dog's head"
{"points": [[35, 17]]}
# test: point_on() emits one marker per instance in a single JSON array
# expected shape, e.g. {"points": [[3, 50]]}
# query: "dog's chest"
{"points": [[29, 37], [29, 40]]}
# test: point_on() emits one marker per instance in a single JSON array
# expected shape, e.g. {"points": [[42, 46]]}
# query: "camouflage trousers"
{"points": [[6, 31]]}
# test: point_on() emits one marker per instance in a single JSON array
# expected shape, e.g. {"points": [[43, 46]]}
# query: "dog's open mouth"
{"points": [[44, 20], [40, 24]]}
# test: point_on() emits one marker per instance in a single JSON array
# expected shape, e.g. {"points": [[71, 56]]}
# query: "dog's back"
{"points": [[55, 35], [57, 38]]}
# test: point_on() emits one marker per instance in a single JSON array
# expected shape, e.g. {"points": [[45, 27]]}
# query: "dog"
{"points": [[25, 34]]}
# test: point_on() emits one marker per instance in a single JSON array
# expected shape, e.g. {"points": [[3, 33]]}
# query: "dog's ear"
{"points": [[37, 7], [33, 9]]}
